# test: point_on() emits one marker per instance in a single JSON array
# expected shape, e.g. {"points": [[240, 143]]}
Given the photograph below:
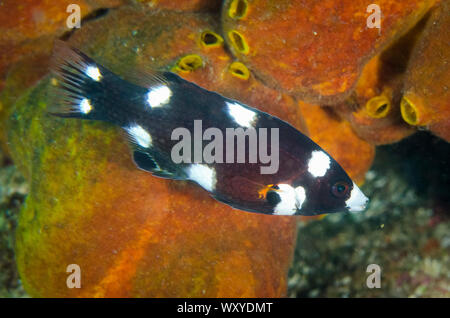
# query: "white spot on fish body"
{"points": [[85, 106], [319, 163], [202, 174], [159, 96], [288, 200], [94, 73], [139, 135], [241, 115]]}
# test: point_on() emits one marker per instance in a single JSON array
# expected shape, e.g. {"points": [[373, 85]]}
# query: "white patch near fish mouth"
{"points": [[319, 163], [94, 73], [139, 135], [357, 201], [85, 106], [241, 115], [291, 199], [159, 96], [202, 174]]}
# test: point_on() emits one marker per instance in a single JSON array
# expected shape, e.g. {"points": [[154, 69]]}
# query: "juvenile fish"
{"points": [[180, 131]]}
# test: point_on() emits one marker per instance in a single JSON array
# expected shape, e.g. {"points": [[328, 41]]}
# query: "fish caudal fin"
{"points": [[75, 75], [81, 88]]}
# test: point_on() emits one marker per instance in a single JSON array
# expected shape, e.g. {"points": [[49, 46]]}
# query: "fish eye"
{"points": [[340, 189]]}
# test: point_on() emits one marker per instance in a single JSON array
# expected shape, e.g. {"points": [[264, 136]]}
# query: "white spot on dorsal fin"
{"points": [[243, 116], [159, 96], [319, 163], [85, 106], [139, 135], [93, 72], [202, 174]]}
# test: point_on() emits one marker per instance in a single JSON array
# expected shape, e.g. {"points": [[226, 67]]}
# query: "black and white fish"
{"points": [[156, 109]]}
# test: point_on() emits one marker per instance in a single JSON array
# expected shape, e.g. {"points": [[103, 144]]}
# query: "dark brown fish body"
{"points": [[244, 157]]}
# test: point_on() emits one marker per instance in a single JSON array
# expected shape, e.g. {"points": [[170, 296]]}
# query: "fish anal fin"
{"points": [[144, 161], [158, 166]]}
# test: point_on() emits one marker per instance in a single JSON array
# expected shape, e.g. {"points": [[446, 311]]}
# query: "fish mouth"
{"points": [[357, 202]]}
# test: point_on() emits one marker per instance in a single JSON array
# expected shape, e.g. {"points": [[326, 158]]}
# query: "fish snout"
{"points": [[357, 201]]}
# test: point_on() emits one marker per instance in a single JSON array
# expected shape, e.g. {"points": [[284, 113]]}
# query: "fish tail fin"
{"points": [[81, 88]]}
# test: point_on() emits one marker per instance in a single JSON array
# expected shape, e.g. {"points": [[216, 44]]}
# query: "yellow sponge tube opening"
{"points": [[409, 111], [238, 9], [238, 42], [189, 63], [210, 39], [378, 106], [239, 70]]}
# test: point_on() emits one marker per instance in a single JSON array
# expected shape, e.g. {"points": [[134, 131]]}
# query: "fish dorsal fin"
{"points": [[146, 77]]}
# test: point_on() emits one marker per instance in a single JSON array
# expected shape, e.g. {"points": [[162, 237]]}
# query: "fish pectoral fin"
{"points": [[262, 193], [153, 162]]}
